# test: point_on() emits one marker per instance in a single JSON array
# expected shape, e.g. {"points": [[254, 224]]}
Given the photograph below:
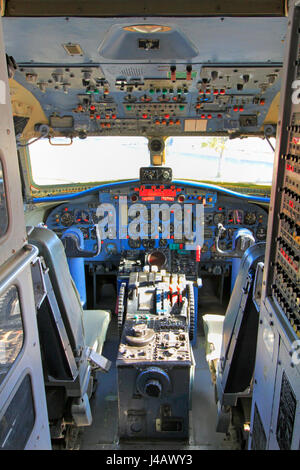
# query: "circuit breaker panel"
{"points": [[275, 417]]}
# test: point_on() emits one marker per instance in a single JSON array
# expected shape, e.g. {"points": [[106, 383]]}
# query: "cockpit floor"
{"points": [[103, 433]]}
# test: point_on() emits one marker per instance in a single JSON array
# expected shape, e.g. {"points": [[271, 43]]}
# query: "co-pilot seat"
{"points": [[69, 335]]}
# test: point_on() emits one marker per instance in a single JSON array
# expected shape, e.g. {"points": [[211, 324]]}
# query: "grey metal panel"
{"points": [[265, 369], [15, 236], [21, 36], [285, 420]]}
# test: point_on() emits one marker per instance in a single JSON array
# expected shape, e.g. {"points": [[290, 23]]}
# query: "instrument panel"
{"points": [[157, 235]]}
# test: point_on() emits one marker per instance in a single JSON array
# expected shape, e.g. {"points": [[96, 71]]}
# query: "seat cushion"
{"points": [[213, 328], [95, 324]]}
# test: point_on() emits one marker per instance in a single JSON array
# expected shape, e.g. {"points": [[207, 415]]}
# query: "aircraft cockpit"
{"points": [[149, 226]]}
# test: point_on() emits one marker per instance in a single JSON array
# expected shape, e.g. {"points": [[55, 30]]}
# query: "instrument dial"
{"points": [[67, 219], [250, 218], [82, 217], [111, 248], [134, 243], [148, 243], [219, 218], [163, 242], [235, 216], [261, 233]]}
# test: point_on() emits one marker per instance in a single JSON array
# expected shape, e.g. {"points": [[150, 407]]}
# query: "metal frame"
{"points": [[15, 269], [154, 7]]}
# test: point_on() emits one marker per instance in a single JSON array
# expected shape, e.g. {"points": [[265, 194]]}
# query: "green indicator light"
{"points": [[88, 92], [128, 107], [136, 317], [151, 91], [96, 91], [179, 91], [181, 107], [164, 91]]}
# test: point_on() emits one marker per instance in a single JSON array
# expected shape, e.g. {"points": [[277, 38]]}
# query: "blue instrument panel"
{"points": [[115, 202]]}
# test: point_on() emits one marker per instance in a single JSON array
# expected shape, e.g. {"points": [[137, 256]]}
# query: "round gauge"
{"points": [[235, 217], [134, 243], [67, 219], [163, 242], [82, 217], [157, 258], [166, 175], [261, 233], [111, 248], [250, 218], [148, 243], [208, 219], [219, 218]]}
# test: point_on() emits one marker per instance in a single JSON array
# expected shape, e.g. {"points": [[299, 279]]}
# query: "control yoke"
{"points": [[242, 239], [72, 241]]}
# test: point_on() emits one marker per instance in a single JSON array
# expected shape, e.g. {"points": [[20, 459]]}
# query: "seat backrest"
{"points": [[240, 327], [51, 249]]}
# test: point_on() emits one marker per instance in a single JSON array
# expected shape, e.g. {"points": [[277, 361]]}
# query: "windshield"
{"points": [[220, 159], [98, 159], [94, 159]]}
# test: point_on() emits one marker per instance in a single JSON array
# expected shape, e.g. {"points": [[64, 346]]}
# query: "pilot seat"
{"points": [[71, 339]]}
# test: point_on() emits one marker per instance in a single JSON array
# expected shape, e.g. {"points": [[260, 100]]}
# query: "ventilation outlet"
{"points": [[73, 49]]}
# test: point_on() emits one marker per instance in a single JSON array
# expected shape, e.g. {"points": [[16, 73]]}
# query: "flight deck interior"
{"points": [[150, 229]]}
